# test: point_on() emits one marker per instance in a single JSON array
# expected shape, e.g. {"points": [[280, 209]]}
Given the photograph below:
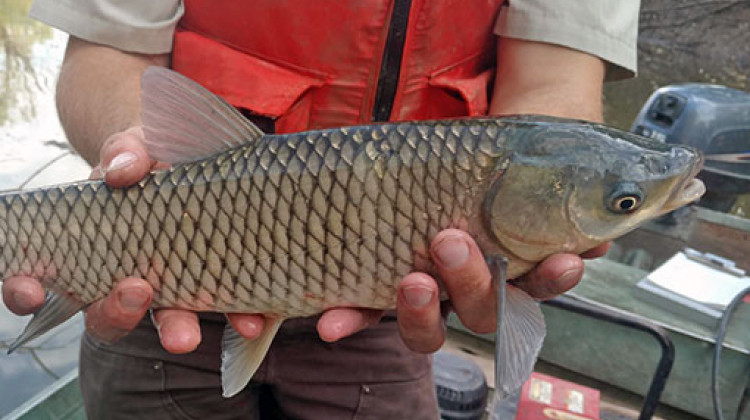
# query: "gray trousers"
{"points": [[370, 375]]}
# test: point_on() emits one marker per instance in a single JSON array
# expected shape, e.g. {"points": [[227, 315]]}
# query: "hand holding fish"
{"points": [[464, 272], [124, 161]]}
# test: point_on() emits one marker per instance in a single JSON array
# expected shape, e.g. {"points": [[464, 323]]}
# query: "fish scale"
{"points": [[258, 229]]}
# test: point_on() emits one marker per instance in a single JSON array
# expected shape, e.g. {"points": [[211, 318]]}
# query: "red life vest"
{"points": [[326, 63]]}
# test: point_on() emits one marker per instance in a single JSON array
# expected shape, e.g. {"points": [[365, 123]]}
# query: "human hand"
{"points": [[467, 279], [465, 274], [124, 161]]}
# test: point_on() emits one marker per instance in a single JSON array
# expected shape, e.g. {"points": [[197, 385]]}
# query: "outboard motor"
{"points": [[712, 118]]}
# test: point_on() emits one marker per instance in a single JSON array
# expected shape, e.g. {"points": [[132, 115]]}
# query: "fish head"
{"points": [[568, 186]]}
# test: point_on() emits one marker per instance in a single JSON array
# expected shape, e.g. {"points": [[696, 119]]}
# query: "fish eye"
{"points": [[625, 204], [625, 198]]}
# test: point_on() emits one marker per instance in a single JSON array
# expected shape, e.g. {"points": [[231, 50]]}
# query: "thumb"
{"points": [[124, 159]]}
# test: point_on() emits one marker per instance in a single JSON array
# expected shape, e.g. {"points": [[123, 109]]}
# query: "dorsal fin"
{"points": [[183, 121]]}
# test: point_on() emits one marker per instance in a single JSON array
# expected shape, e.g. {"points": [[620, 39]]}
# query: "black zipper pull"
{"points": [[390, 67]]}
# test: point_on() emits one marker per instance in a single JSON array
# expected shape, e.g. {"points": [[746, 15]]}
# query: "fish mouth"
{"points": [[692, 188], [691, 191]]}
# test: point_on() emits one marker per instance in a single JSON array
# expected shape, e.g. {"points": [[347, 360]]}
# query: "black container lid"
{"points": [[461, 387]]}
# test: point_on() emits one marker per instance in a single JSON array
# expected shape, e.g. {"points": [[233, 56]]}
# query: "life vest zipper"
{"points": [[390, 66]]}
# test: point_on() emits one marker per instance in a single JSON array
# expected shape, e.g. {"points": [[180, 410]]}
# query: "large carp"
{"points": [[290, 225]]}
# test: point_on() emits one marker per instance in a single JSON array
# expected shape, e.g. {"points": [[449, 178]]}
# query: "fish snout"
{"points": [[690, 189]]}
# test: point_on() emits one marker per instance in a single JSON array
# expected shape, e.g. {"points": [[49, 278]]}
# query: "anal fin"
{"points": [[240, 357], [57, 308]]}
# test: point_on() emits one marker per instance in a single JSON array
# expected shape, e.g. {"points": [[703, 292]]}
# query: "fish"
{"points": [[289, 225]]}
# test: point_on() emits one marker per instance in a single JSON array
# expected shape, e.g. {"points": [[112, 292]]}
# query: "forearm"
{"points": [[540, 78], [98, 93]]}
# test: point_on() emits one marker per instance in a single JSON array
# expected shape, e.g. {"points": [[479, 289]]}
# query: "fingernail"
{"points": [[417, 296], [452, 252], [181, 340], [133, 300], [249, 329], [569, 276], [24, 300], [121, 161], [337, 328]]}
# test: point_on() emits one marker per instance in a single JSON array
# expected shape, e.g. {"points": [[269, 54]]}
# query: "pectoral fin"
{"points": [[240, 357], [521, 339], [520, 332], [57, 308]]}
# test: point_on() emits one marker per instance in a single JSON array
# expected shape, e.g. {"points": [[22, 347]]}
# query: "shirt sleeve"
{"points": [[141, 26], [607, 29]]}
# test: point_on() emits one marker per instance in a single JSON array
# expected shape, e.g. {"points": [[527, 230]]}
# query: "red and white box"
{"points": [[548, 398]]}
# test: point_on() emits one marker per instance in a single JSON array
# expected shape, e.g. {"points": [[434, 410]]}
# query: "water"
{"points": [[33, 152]]}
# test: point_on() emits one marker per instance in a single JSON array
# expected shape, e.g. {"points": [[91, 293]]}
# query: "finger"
{"points": [[179, 330], [553, 276], [22, 295], [418, 312], [338, 323], [467, 278], [248, 325], [124, 159], [114, 316], [598, 251]]}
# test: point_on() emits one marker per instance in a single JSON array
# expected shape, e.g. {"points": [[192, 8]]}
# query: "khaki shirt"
{"points": [[607, 29]]}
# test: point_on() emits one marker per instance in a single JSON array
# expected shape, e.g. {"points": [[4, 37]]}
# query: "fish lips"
{"points": [[691, 188]]}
